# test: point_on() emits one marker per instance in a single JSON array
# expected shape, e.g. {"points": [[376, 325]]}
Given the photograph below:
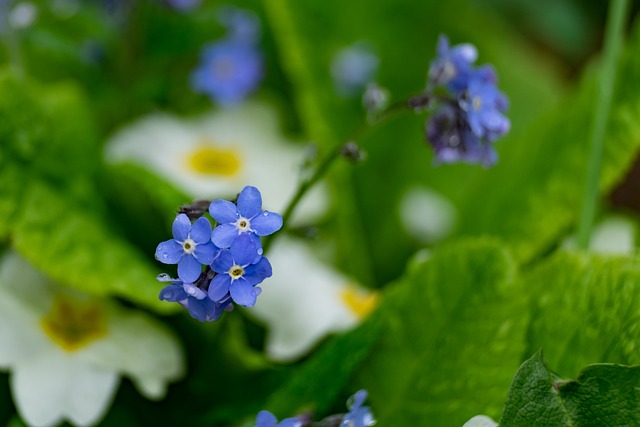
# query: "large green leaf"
{"points": [[78, 248], [602, 395], [585, 310], [453, 329], [50, 205]]}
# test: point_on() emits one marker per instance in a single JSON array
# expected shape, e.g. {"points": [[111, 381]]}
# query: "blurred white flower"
{"points": [[480, 421], [216, 155], [427, 215], [614, 235], [23, 15], [66, 352], [305, 300]]}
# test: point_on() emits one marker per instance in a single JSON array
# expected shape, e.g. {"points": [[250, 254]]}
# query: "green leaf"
{"points": [[585, 310], [602, 395], [452, 327], [76, 247]]}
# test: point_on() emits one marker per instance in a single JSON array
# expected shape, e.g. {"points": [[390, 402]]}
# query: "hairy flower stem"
{"points": [[612, 45], [332, 156]]}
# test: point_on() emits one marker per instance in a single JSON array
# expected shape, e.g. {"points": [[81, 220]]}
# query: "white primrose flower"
{"points": [[427, 215], [305, 300], [217, 154], [66, 352], [614, 235]]}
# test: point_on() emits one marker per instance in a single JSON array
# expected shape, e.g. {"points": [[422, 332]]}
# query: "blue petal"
{"points": [[223, 263], [172, 293], [244, 249], [290, 422], [266, 223], [201, 231], [169, 252], [249, 202], [181, 227], [189, 269], [258, 272], [219, 287], [243, 293], [206, 253], [197, 309], [223, 211], [266, 419], [224, 235]]}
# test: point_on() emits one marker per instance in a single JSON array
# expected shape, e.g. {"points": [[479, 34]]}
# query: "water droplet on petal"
{"points": [[163, 277], [260, 251], [265, 213]]}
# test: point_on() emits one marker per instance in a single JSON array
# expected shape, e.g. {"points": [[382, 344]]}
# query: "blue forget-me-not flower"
{"points": [[245, 217], [353, 67], [231, 68], [190, 248], [267, 419], [194, 299], [358, 415], [240, 268], [469, 116]]}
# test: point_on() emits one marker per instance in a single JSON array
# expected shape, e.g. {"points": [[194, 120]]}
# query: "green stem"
{"points": [[602, 105], [326, 163]]}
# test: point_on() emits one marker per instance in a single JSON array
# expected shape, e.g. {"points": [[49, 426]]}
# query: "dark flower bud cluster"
{"points": [[231, 254], [469, 108], [358, 416]]}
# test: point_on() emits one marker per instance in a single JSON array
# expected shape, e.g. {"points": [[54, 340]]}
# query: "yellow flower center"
{"points": [[73, 324], [359, 302], [236, 272], [208, 159]]}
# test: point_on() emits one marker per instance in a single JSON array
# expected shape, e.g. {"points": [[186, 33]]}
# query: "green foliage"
{"points": [[585, 310], [451, 328], [48, 201], [602, 395]]}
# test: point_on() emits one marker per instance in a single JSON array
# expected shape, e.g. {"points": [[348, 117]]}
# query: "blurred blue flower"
{"points": [[239, 269], [453, 66], [242, 25], [184, 5], [246, 217], [450, 135], [231, 68], [267, 419], [353, 68], [192, 298], [358, 415], [228, 71], [484, 105], [190, 248], [468, 119]]}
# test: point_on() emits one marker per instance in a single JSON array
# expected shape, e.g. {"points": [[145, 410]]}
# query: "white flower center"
{"points": [[243, 224], [189, 246], [236, 272]]}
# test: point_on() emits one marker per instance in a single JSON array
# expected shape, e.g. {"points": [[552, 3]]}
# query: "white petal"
{"points": [[25, 283], [614, 235], [302, 302], [427, 215], [251, 130], [480, 421], [142, 349], [55, 386]]}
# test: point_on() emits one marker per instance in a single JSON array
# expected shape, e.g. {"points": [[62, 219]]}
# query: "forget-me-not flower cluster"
{"points": [[231, 68], [469, 107], [222, 265], [358, 416]]}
